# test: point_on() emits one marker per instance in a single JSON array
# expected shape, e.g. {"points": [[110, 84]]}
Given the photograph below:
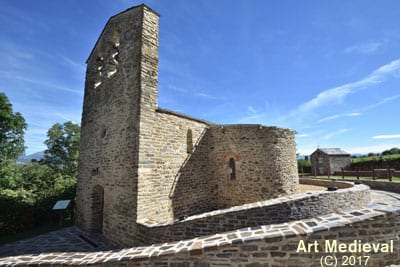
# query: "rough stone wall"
{"points": [[165, 165], [275, 245], [338, 162], [385, 186], [277, 210], [333, 163], [137, 163], [117, 74], [265, 163], [265, 167], [263, 245], [319, 162]]}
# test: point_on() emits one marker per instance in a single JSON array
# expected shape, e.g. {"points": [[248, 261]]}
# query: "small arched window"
{"points": [[189, 141], [232, 168]]}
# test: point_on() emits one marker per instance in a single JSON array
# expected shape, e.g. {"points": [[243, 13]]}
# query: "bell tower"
{"points": [[120, 89]]}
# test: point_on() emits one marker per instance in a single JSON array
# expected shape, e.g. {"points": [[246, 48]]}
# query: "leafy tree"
{"points": [[63, 147], [12, 127], [10, 176], [392, 151]]}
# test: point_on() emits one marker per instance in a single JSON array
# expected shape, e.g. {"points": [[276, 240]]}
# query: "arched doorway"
{"points": [[97, 198]]}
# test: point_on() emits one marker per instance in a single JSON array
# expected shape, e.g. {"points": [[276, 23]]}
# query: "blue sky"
{"points": [[328, 69]]}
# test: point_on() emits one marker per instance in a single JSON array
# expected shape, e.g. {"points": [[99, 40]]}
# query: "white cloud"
{"points": [[364, 48], [354, 114], [202, 94], [338, 94], [73, 65], [338, 116], [16, 76], [177, 89], [252, 110], [387, 136], [338, 132], [333, 117], [302, 135], [383, 101]]}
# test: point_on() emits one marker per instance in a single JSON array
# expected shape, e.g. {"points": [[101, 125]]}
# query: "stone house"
{"points": [[142, 163], [329, 159]]}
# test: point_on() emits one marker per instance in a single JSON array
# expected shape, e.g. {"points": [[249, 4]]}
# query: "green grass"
{"points": [[375, 158], [34, 232], [394, 179]]}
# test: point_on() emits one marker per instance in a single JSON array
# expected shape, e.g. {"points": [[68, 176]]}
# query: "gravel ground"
{"points": [[307, 187]]}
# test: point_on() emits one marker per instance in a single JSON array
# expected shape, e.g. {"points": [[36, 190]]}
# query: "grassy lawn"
{"points": [[375, 158], [34, 232], [394, 179]]}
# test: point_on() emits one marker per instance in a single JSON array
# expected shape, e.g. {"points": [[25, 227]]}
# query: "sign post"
{"points": [[61, 206]]}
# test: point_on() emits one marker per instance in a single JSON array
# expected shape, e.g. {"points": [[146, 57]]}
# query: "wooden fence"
{"points": [[373, 173]]}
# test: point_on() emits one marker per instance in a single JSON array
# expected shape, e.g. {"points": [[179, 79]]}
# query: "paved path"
{"points": [[69, 239], [72, 239], [385, 198]]}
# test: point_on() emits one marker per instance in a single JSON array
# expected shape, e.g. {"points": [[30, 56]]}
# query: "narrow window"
{"points": [[189, 141], [97, 199], [103, 131], [232, 167]]}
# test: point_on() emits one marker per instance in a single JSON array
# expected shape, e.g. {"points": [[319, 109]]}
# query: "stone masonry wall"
{"points": [[320, 162], [338, 162], [140, 163], [376, 185], [109, 130], [278, 210], [263, 245], [165, 163], [265, 167], [333, 163], [265, 163]]}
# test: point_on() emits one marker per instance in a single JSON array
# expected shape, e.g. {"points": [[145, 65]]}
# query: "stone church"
{"points": [[142, 163]]}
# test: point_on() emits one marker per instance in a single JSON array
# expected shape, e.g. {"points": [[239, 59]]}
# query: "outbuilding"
{"points": [[329, 160]]}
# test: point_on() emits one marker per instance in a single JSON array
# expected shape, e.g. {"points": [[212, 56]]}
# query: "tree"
{"points": [[392, 151], [63, 147], [12, 129]]}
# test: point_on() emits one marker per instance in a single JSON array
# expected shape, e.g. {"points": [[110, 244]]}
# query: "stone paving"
{"points": [[70, 239], [385, 198], [58, 245]]}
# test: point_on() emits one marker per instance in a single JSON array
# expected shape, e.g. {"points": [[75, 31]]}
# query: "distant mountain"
{"points": [[28, 158]]}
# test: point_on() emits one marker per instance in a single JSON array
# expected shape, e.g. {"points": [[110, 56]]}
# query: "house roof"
{"points": [[333, 151]]}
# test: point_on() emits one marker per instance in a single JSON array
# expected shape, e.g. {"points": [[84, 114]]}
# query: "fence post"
{"points": [[373, 173], [315, 172], [342, 169], [389, 174], [357, 174], [329, 172]]}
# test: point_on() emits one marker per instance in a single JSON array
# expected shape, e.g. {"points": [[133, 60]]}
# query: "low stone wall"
{"points": [[354, 173], [385, 186], [379, 173], [268, 245], [373, 184], [279, 210]]}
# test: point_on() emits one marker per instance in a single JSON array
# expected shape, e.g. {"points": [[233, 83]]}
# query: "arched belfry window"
{"points": [[189, 141], [232, 168]]}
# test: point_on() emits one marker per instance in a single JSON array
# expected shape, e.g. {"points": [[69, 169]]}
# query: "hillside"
{"points": [[366, 163], [28, 158]]}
